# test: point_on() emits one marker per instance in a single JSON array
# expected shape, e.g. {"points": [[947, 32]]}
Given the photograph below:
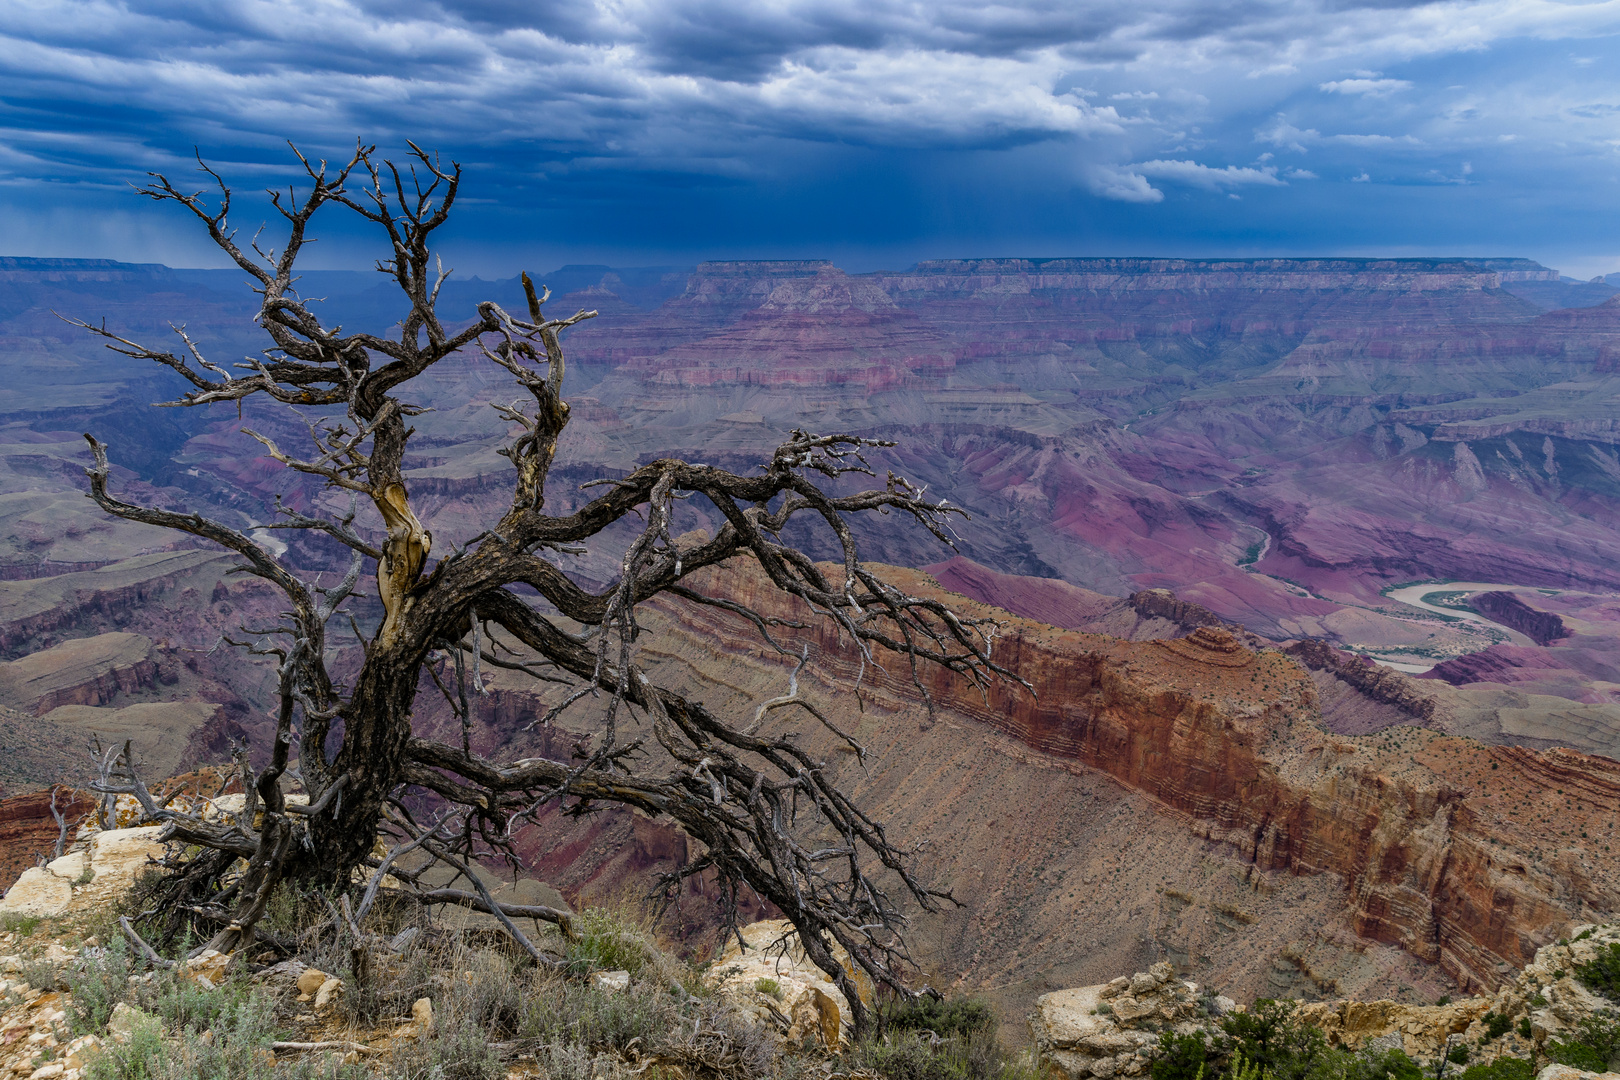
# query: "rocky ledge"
{"points": [[1113, 1029]]}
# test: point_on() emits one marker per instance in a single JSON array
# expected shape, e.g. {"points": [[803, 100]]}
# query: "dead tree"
{"points": [[738, 792]]}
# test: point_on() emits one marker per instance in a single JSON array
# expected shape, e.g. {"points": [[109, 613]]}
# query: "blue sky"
{"points": [[875, 133]]}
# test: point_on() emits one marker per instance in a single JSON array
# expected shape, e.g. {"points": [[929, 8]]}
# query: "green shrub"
{"points": [[1458, 1055], [1595, 1043], [1524, 1029], [1601, 974], [915, 1056], [944, 1016], [769, 986], [599, 1019], [1503, 1068], [1270, 1035], [1384, 1065], [1183, 1057], [607, 942], [1577, 1056], [98, 983], [1496, 1025], [456, 1050], [21, 925], [235, 1047]]}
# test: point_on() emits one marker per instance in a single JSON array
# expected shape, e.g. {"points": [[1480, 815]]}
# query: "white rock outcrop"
{"points": [[770, 977], [107, 860], [1111, 1030]]}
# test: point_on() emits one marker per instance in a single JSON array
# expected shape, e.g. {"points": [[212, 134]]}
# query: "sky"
{"points": [[874, 133]]}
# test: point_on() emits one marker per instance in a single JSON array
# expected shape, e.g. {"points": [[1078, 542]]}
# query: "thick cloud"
{"points": [[595, 113]]}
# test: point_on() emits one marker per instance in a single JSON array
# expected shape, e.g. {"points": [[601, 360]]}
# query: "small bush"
{"points": [[97, 984], [600, 1019], [1595, 1043], [1385, 1065], [456, 1050], [236, 1047], [21, 925], [1601, 974], [1496, 1025], [1270, 1035], [769, 986], [1524, 1029], [1503, 1068], [943, 1016], [607, 942], [1182, 1057], [1458, 1055], [915, 1056], [1577, 1056]]}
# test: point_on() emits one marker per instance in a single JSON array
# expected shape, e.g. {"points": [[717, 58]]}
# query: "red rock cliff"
{"points": [[1466, 855]]}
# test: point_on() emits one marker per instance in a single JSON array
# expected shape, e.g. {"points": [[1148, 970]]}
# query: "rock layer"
{"points": [[1420, 833]]}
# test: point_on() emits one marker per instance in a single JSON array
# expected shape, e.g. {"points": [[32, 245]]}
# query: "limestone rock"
{"points": [[330, 989], [611, 981], [71, 866], [770, 974], [422, 1014], [310, 982], [283, 977], [1111, 1030], [125, 1020], [1565, 1072], [38, 892], [209, 970], [119, 856]]}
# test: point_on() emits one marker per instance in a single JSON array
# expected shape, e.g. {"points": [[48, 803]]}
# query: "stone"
{"points": [[311, 981], [612, 981], [209, 970], [70, 867], [119, 856], [1104, 1031], [1162, 972], [422, 1014], [769, 974], [125, 1019], [38, 892], [1565, 1072], [48, 1072], [330, 989], [1128, 1008]]}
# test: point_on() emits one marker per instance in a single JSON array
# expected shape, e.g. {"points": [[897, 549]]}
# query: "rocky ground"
{"points": [[1114, 1028]]}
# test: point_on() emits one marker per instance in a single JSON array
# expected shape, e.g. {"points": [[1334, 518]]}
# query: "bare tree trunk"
{"points": [[734, 787]]}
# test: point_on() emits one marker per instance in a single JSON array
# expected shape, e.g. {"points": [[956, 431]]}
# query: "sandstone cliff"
{"points": [[1465, 855]]}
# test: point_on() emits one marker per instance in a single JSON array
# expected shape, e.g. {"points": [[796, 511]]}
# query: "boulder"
{"points": [[310, 980], [769, 976], [611, 981], [1112, 1029], [208, 970], [38, 892], [119, 856], [1565, 1072]]}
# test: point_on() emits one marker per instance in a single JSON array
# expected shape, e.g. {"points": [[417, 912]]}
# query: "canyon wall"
{"points": [[1439, 842]]}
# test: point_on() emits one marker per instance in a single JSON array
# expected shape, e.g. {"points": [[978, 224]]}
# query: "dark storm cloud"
{"points": [[573, 107]]}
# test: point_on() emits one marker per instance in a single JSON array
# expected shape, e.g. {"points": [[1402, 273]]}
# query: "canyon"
{"points": [[1193, 486]]}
